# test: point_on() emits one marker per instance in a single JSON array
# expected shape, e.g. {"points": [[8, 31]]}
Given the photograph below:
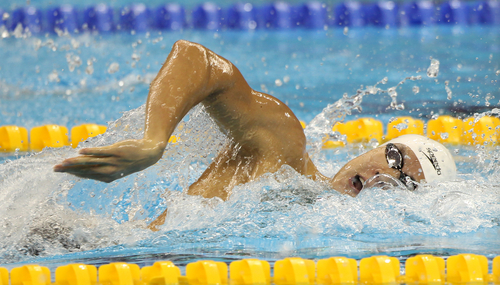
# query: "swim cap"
{"points": [[435, 159]]}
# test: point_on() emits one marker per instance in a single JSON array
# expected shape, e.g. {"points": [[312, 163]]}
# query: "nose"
{"points": [[375, 171], [370, 173]]}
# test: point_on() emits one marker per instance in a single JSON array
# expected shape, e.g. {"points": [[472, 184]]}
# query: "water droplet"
{"points": [[392, 92], [59, 32], [372, 89], [433, 69], [448, 90], [136, 57], [278, 82], [89, 70], [54, 77], [401, 126], [498, 72], [73, 61], [346, 30], [416, 89], [18, 31], [113, 67], [4, 32]]}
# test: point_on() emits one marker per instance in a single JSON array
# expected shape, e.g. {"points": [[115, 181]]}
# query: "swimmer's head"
{"points": [[401, 161]]}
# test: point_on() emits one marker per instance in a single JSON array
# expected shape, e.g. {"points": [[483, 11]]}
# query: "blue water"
{"points": [[52, 218], [334, 63]]}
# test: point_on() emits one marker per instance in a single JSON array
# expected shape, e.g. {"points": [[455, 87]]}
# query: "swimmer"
{"points": [[264, 135]]}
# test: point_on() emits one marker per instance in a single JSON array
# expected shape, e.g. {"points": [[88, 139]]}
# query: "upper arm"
{"points": [[202, 71]]}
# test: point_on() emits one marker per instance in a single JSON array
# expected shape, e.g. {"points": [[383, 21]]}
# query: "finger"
{"points": [[76, 168], [98, 177], [104, 173], [88, 160], [104, 151]]}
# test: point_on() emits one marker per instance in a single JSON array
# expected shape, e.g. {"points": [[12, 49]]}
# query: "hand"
{"points": [[155, 225], [112, 162]]}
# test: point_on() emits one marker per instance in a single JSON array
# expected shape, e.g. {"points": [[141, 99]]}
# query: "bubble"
{"points": [[415, 89], [278, 82]]}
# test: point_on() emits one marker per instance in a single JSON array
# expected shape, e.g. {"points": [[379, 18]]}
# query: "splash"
{"points": [[45, 213], [433, 69], [321, 126]]}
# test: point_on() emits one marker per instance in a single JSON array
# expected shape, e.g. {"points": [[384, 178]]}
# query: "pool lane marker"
{"points": [[445, 129], [279, 15], [420, 269]]}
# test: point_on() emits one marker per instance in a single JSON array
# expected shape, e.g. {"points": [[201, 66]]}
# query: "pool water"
{"points": [[52, 218]]}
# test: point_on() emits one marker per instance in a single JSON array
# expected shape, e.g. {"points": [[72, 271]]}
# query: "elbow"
{"points": [[189, 48], [179, 44]]}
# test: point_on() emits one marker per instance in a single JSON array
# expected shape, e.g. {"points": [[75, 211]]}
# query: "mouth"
{"points": [[356, 182]]}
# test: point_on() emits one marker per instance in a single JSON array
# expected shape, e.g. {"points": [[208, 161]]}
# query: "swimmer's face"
{"points": [[351, 177]]}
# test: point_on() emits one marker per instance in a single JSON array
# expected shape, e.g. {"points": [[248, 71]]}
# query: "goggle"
{"points": [[395, 160], [385, 181]]}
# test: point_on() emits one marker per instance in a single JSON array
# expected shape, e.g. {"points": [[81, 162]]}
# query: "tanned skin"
{"points": [[264, 132]]}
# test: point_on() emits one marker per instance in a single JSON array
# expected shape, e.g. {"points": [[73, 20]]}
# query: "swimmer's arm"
{"points": [[160, 220], [190, 74]]}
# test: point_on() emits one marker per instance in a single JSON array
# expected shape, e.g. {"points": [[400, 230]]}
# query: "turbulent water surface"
{"points": [[53, 218]]}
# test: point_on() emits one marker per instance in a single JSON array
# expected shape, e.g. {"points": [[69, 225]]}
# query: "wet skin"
{"points": [[352, 175], [264, 132]]}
